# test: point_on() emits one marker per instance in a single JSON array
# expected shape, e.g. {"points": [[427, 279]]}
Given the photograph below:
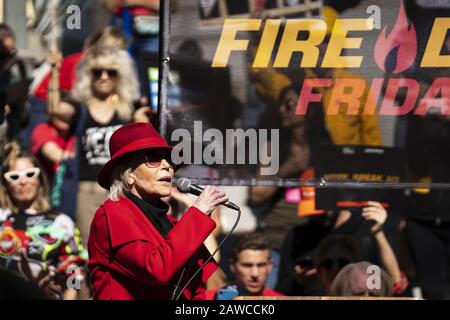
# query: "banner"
{"points": [[381, 166], [213, 12], [256, 88]]}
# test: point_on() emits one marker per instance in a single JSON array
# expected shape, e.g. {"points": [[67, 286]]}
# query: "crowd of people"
{"points": [[56, 139]]}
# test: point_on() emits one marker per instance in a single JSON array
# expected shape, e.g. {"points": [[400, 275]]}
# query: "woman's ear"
{"points": [[131, 179]]}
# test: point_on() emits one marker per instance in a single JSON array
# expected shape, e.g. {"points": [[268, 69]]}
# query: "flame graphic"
{"points": [[402, 36]]}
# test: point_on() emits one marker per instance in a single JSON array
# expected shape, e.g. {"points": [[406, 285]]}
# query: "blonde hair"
{"points": [[13, 152], [108, 36], [127, 87]]}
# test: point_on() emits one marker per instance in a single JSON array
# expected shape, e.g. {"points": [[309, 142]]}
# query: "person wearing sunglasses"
{"points": [[136, 250], [342, 247], [332, 254], [106, 85], [301, 135], [37, 242]]}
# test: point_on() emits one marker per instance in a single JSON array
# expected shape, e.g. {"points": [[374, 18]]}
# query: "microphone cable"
{"points": [[207, 260], [175, 290]]}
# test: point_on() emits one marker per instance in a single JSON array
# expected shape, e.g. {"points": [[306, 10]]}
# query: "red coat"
{"points": [[129, 259]]}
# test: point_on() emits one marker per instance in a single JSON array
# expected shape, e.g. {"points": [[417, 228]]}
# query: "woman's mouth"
{"points": [[166, 179]]}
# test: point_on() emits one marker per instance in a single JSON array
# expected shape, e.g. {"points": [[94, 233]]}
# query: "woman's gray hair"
{"points": [[121, 176], [120, 185], [349, 273]]}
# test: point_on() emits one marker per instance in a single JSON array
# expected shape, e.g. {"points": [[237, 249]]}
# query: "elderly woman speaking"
{"points": [[137, 251]]}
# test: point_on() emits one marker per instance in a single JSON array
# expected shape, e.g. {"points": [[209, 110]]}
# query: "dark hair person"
{"points": [[136, 250], [14, 83], [7, 41], [54, 141], [251, 264], [333, 253], [300, 136], [37, 242]]}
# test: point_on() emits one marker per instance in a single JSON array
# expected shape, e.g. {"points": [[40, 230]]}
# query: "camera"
{"points": [[305, 261]]}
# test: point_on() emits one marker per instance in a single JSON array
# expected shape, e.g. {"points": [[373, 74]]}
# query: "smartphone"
{"points": [[305, 262], [227, 293]]}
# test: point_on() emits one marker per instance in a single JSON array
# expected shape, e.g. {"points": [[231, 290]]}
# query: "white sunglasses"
{"points": [[14, 176]]}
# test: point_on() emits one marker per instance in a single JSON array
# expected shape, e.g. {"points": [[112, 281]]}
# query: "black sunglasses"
{"points": [[97, 72], [153, 159]]}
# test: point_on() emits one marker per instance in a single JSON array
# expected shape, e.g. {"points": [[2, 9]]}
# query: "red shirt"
{"points": [[67, 76], [130, 260], [267, 292], [44, 133]]}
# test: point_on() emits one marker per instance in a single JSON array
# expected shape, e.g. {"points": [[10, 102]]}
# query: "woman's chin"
{"points": [[165, 191]]}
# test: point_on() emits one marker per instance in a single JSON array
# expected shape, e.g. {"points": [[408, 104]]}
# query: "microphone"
{"points": [[184, 185]]}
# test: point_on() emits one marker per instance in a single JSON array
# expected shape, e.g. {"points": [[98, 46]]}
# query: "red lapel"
{"points": [[127, 223]]}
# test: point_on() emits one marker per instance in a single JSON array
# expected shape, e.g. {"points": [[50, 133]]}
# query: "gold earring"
{"points": [[115, 98]]}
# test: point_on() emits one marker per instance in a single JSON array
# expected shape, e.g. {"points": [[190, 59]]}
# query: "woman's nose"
{"points": [[104, 75], [165, 164]]}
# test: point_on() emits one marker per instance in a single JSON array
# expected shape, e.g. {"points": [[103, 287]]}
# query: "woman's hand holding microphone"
{"points": [[209, 199]]}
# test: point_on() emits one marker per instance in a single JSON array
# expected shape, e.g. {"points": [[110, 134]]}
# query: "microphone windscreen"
{"points": [[183, 185]]}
